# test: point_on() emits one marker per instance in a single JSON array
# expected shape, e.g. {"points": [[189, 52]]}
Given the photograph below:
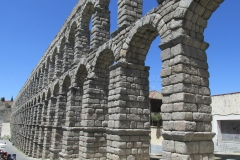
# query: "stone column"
{"points": [[51, 71], [31, 127], [27, 94], [25, 139], [15, 127], [34, 130], [94, 119], [58, 65], [48, 127], [42, 122], [128, 107], [67, 56], [36, 87], [58, 122], [70, 144], [100, 32], [45, 77], [82, 44], [20, 131], [40, 85], [37, 129], [24, 129], [27, 131], [31, 88], [186, 102], [129, 11]]}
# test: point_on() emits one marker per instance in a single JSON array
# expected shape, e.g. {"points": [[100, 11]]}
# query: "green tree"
{"points": [[7, 105], [157, 118], [3, 99], [12, 98]]}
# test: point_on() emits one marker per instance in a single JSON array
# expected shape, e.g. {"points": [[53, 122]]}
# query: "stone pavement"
{"points": [[10, 149]]}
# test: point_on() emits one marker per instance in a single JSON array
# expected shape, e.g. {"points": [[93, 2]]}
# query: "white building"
{"points": [[1, 126], [226, 122], [156, 127]]}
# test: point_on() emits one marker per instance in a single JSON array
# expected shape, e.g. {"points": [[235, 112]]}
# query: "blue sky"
{"points": [[27, 28]]}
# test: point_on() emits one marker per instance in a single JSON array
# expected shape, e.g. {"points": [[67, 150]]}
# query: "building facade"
{"points": [[226, 123], [5, 116], [1, 121], [156, 123], [88, 96]]}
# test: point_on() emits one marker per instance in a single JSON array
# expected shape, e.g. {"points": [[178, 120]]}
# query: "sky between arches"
{"points": [[27, 28]]}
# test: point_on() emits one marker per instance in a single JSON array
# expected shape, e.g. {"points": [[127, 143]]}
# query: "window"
{"points": [[230, 130]]}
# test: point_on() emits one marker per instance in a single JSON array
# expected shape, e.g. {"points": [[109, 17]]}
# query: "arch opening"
{"points": [[86, 24], [131, 85]]}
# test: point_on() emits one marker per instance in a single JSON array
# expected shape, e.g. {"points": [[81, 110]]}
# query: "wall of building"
{"points": [[5, 114], [226, 109], [5, 129], [6, 104], [5, 110], [156, 141], [1, 127]]}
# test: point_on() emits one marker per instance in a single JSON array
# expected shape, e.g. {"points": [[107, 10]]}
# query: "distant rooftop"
{"points": [[155, 95], [225, 94]]}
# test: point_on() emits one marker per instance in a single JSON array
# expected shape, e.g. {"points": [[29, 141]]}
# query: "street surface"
{"points": [[10, 149]]}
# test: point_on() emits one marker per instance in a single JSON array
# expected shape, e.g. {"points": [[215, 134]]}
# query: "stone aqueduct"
{"points": [[88, 96]]}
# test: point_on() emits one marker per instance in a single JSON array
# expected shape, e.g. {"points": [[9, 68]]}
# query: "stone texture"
{"points": [[88, 96]]}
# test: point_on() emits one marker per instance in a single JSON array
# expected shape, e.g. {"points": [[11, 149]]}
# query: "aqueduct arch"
{"points": [[85, 106]]}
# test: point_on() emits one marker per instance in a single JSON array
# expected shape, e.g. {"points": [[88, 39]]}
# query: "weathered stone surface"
{"points": [[88, 96], [187, 147], [168, 146]]}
